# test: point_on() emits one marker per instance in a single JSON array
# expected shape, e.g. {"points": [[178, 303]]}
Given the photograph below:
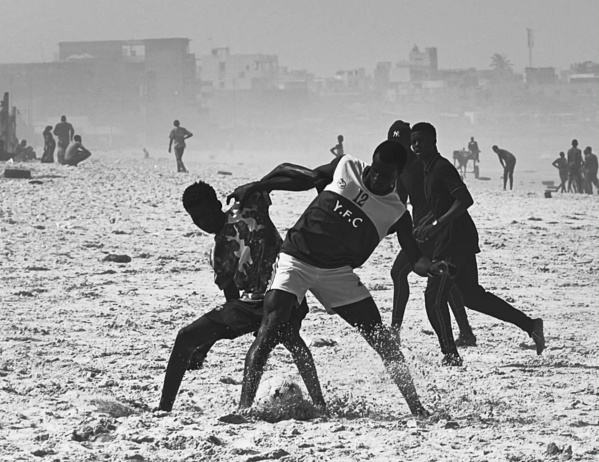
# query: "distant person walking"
{"points": [[575, 168], [177, 138], [49, 146], [562, 166], [76, 152], [64, 132], [590, 170], [337, 150], [508, 162]]}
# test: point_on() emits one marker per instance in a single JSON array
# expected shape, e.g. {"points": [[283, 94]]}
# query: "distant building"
{"points": [[225, 71], [251, 89], [104, 86], [169, 73], [421, 65], [540, 75]]}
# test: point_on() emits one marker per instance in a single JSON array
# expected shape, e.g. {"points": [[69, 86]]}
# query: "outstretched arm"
{"points": [[286, 177]]}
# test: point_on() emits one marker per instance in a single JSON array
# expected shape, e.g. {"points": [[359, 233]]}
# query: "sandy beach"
{"points": [[84, 342]]}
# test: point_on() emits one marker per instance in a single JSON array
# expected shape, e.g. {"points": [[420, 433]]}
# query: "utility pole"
{"points": [[531, 44]]}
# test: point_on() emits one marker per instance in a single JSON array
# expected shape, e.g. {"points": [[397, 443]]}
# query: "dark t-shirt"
{"points": [[441, 181], [411, 184]]}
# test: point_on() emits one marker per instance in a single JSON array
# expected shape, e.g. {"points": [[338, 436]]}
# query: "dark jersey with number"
{"points": [[246, 248], [345, 222]]}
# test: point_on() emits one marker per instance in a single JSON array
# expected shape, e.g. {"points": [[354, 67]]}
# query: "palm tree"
{"points": [[501, 64]]}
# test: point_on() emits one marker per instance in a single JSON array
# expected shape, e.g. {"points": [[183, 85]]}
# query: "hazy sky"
{"points": [[321, 36]]}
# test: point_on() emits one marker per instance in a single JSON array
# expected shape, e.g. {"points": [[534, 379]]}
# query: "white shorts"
{"points": [[333, 288]]}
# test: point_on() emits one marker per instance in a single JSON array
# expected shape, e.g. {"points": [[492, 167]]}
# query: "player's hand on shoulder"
{"points": [[242, 193]]}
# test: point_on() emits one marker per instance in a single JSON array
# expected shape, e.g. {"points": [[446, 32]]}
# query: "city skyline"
{"points": [[312, 35]]}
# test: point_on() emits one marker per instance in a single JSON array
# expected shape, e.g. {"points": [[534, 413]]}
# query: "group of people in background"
{"points": [[67, 146], [577, 174]]}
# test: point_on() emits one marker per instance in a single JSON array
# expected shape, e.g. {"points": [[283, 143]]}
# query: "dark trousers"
{"points": [[401, 293], [475, 297]]}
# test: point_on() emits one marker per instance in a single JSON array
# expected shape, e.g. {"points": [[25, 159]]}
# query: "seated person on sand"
{"points": [[24, 153], [246, 245], [76, 152]]}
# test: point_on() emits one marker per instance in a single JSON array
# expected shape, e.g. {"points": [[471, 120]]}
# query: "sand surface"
{"points": [[84, 342]]}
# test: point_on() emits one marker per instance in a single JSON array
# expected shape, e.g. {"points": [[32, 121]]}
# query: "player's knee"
{"points": [[186, 338]]}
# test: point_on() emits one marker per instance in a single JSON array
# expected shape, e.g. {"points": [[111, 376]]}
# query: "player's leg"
{"points": [[401, 288], [478, 299], [456, 303], [365, 316], [511, 174], [234, 319], [183, 169], [278, 307], [564, 179], [302, 356], [201, 331], [435, 298]]}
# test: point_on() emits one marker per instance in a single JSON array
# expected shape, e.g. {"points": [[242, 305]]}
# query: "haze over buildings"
{"points": [[275, 73]]}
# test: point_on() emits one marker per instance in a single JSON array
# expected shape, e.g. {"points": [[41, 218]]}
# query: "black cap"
{"points": [[398, 130]]}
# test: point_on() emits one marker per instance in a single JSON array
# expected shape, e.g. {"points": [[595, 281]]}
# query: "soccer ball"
{"points": [[277, 391]]}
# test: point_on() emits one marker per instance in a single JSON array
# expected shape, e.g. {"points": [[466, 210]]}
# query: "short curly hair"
{"points": [[391, 152], [198, 193]]}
